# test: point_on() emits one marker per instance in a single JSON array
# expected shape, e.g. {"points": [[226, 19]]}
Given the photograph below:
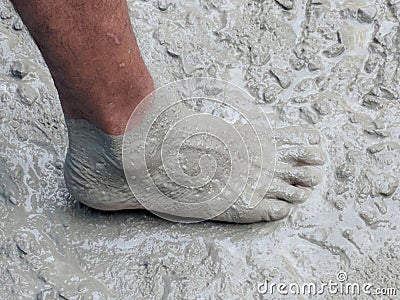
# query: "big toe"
{"points": [[266, 210]]}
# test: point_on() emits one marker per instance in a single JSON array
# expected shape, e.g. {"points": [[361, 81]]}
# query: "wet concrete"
{"points": [[332, 65]]}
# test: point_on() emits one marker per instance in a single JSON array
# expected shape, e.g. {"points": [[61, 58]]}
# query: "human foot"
{"points": [[252, 190], [94, 173], [298, 152]]}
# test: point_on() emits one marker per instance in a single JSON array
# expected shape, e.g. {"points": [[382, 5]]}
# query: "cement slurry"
{"points": [[331, 65]]}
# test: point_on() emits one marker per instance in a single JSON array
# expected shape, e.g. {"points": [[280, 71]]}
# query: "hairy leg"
{"points": [[93, 57]]}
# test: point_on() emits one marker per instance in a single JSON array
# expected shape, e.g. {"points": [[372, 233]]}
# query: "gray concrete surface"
{"points": [[332, 65]]}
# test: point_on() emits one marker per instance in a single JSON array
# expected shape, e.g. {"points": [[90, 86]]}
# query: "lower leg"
{"points": [[92, 54]]}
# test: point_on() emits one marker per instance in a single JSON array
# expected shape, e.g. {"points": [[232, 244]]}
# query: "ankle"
{"points": [[110, 110]]}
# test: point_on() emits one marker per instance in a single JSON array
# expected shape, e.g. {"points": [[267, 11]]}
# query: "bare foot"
{"points": [[298, 152], [94, 173], [188, 166]]}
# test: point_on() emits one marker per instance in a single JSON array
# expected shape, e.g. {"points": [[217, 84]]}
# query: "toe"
{"points": [[302, 155], [281, 190], [266, 210], [272, 210], [302, 176], [296, 135]]}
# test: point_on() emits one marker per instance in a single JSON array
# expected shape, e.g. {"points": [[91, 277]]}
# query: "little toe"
{"points": [[281, 190], [302, 176], [302, 155], [296, 135]]}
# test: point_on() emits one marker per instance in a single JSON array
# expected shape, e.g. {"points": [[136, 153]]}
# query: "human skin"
{"points": [[93, 57]]}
